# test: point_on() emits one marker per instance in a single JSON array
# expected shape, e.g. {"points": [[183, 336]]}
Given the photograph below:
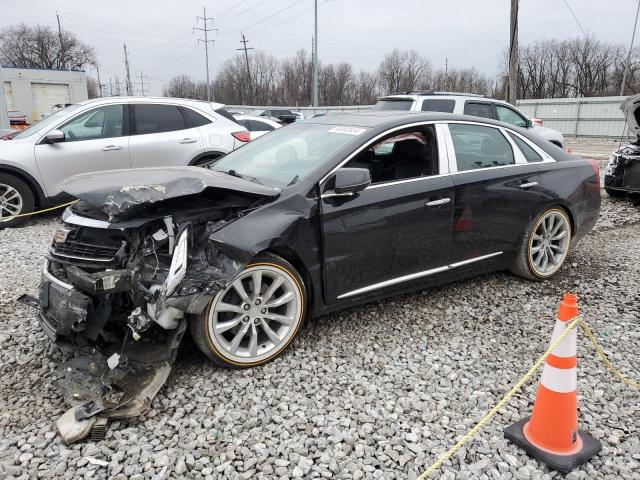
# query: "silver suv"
{"points": [[107, 134], [466, 104]]}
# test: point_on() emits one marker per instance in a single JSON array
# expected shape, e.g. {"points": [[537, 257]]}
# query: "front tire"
{"points": [[16, 198], [255, 318], [545, 246]]}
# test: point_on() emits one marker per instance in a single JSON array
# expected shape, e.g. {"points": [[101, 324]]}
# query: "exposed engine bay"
{"points": [[117, 291], [623, 171]]}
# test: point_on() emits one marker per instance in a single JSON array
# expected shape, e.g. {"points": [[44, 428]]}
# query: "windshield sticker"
{"points": [[348, 130]]}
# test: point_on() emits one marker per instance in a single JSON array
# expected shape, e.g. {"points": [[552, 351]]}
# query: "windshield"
{"points": [[46, 122], [393, 104], [288, 154]]}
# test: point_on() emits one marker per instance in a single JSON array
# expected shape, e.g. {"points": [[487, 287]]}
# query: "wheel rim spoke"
{"points": [[272, 289], [559, 236], [283, 299], [228, 325], [273, 336], [549, 243], [257, 283], [287, 321], [238, 338], [228, 307], [239, 288], [10, 201], [253, 341]]}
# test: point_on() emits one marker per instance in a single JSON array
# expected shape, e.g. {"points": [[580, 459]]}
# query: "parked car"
{"points": [[468, 104], [109, 133], [299, 116], [622, 174], [257, 126], [17, 118], [243, 250], [284, 116]]}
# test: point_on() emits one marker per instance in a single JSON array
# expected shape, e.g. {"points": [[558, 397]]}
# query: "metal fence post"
{"points": [[577, 122]]}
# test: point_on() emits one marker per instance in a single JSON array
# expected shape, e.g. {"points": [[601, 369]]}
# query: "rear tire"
{"points": [[545, 246], [16, 198], [246, 327]]}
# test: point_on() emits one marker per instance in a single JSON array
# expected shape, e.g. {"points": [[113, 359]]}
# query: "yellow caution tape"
{"points": [[38, 212], [504, 400]]}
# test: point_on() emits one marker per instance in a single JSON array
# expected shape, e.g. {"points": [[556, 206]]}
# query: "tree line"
{"points": [[584, 66]]}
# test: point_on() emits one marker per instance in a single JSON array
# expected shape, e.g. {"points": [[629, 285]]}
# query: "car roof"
{"points": [[133, 99], [391, 118]]}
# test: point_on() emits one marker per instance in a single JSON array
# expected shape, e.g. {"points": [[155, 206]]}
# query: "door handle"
{"points": [[435, 203], [189, 140], [111, 148], [529, 185]]}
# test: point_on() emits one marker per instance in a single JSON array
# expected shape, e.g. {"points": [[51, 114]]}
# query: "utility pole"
{"points": [[446, 73], [99, 83], [512, 87], [315, 55], [626, 63], [244, 41], [142, 83], [206, 41], [110, 87], [126, 63], [61, 58]]}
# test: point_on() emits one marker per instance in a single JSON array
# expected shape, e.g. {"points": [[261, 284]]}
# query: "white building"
{"points": [[34, 92]]}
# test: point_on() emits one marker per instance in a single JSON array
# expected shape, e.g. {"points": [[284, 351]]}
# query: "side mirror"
{"points": [[54, 136], [529, 123], [352, 180]]}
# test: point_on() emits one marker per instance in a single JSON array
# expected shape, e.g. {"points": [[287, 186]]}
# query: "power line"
{"points": [[222, 15], [241, 13], [206, 41], [574, 16], [273, 14]]}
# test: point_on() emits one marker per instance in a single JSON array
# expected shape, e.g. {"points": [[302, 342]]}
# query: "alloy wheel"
{"points": [[10, 202], [256, 315], [549, 243]]}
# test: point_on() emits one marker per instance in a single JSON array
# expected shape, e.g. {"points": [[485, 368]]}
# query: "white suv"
{"points": [[466, 104], [107, 134]]}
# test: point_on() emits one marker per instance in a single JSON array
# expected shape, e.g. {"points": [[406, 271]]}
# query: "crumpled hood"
{"points": [[629, 107], [115, 192]]}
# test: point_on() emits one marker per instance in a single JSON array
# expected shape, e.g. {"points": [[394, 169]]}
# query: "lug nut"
{"points": [[246, 306], [263, 311], [258, 301], [245, 319], [256, 321]]}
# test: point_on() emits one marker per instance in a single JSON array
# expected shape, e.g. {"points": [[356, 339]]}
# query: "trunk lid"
{"points": [[631, 109]]}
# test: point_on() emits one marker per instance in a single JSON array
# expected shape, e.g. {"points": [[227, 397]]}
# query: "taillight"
{"points": [[537, 121], [596, 169], [243, 136]]}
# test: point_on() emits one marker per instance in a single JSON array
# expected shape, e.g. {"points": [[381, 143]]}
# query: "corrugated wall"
{"points": [[592, 117]]}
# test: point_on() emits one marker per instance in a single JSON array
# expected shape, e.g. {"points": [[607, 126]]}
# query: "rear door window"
{"points": [[477, 146], [262, 126], [438, 105], [507, 115], [157, 119], [394, 104], [478, 109], [529, 153]]}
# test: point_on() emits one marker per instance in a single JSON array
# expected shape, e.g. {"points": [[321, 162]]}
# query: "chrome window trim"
{"points": [[518, 156], [414, 276], [357, 151], [546, 158]]}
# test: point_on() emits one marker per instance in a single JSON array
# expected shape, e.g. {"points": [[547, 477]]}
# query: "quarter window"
{"points": [[194, 118], [438, 105], [401, 155], [507, 115], [102, 122], [477, 146], [157, 119], [478, 109], [529, 153]]}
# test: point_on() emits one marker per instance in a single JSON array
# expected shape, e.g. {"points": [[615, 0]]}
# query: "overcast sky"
{"points": [[469, 33]]}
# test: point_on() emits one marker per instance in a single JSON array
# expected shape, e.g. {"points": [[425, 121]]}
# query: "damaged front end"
{"points": [[117, 290], [622, 174]]}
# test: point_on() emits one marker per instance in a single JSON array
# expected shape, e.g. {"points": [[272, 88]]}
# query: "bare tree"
{"points": [[92, 87], [402, 70], [40, 47]]}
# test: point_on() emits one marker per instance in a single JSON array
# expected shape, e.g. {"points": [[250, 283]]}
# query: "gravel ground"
{"points": [[373, 392]]}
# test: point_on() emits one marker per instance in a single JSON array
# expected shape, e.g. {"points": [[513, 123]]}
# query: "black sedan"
{"points": [[312, 218]]}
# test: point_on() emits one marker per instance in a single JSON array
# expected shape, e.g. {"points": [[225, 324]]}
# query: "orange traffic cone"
{"points": [[551, 433]]}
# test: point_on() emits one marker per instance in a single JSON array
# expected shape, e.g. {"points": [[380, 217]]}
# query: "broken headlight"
{"points": [[178, 266]]}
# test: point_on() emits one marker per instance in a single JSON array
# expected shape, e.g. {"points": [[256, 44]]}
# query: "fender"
{"points": [[39, 194]]}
